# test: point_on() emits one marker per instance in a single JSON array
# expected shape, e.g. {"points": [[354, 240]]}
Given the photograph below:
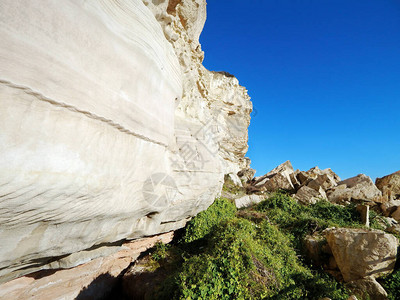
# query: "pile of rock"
{"points": [[310, 186], [355, 256]]}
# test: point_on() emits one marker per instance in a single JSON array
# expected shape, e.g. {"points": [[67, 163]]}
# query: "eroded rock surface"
{"points": [[359, 188], [110, 127], [389, 186], [361, 253], [91, 280], [368, 288]]}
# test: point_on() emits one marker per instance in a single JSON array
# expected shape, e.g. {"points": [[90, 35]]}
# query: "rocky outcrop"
{"points": [[361, 253], [276, 179], [110, 127], [359, 188], [307, 187], [389, 186], [368, 288], [90, 280]]}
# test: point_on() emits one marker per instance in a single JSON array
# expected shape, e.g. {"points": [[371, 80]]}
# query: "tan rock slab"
{"points": [[368, 288], [91, 280], [360, 253], [389, 185]]}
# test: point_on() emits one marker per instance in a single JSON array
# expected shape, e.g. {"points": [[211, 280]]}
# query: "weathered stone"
{"points": [[364, 213], [314, 172], [313, 245], [248, 200], [322, 181], [307, 195], [285, 169], [293, 178], [278, 178], [360, 253], [389, 186], [278, 182], [303, 178], [367, 288], [235, 179], [396, 214], [359, 188], [90, 280], [246, 174], [111, 128], [390, 207]]}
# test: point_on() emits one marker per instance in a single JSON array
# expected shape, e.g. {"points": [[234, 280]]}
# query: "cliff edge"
{"points": [[110, 127]]}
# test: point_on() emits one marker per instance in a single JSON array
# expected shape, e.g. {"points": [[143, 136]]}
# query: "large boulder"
{"points": [[389, 186], [307, 195], [110, 127], [359, 188], [93, 279], [276, 179], [367, 289], [361, 253]]}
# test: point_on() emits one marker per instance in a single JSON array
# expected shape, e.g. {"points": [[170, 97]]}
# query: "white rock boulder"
{"points": [[110, 127]]}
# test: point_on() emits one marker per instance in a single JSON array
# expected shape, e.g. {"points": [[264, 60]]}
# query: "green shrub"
{"points": [[299, 220], [222, 271], [391, 284], [222, 209], [225, 254]]}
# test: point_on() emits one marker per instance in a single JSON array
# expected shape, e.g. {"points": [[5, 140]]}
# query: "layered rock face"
{"points": [[110, 127]]}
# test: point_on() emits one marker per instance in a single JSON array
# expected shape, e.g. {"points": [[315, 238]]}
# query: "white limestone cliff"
{"points": [[110, 127]]}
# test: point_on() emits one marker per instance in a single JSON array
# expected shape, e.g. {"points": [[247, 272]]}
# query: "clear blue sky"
{"points": [[323, 75]]}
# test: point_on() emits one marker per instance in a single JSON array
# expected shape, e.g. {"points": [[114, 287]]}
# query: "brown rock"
{"points": [[293, 178], [314, 172], [324, 181], [277, 182], [307, 195], [396, 214], [304, 178], [389, 185], [390, 207], [246, 174], [364, 212], [367, 288], [359, 188], [360, 253]]}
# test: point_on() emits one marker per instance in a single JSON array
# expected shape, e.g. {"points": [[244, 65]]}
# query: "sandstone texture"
{"points": [[110, 127], [359, 188], [389, 186], [368, 288], [361, 253], [91, 280], [248, 200]]}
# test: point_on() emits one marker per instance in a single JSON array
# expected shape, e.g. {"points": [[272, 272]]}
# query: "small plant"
{"points": [[160, 251]]}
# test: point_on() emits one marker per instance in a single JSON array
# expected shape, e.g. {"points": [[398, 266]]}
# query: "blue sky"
{"points": [[324, 78]]}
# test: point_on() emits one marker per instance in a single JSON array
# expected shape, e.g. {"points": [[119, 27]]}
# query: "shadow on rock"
{"points": [[100, 288]]}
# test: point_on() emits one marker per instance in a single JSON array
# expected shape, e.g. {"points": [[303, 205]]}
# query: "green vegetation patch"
{"points": [[247, 254]]}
